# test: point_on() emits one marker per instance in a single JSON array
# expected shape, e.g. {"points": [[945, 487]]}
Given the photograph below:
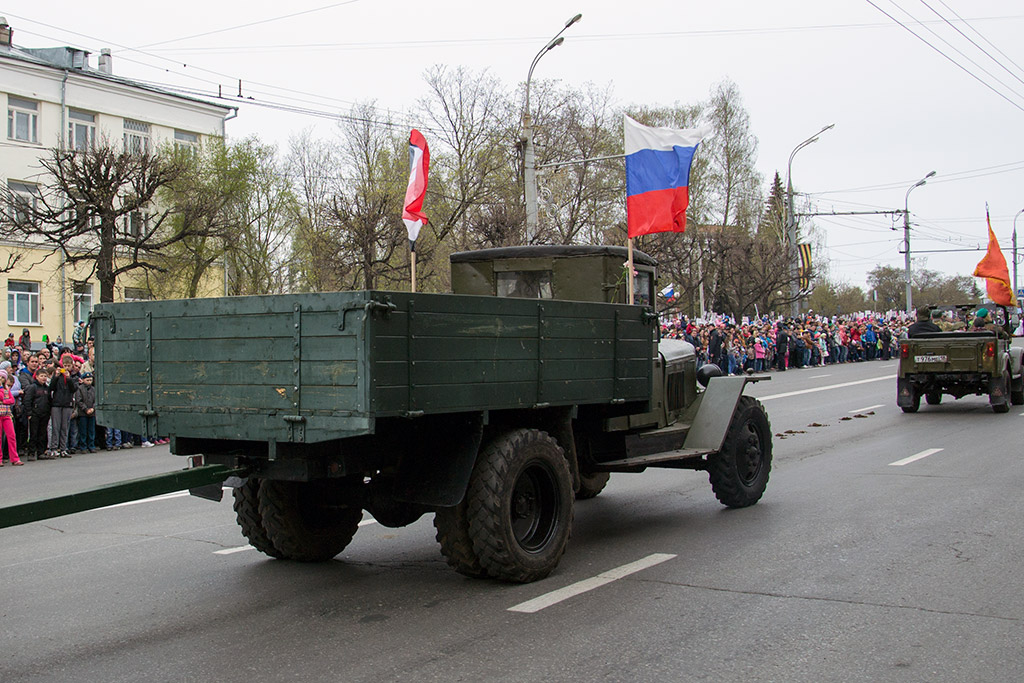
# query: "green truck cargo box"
{"points": [[313, 367]]}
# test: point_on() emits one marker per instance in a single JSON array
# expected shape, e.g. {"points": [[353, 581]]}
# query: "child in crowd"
{"points": [[85, 405], [37, 403], [7, 416], [62, 396]]}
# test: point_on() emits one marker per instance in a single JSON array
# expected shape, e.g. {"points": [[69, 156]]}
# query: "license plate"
{"points": [[930, 359]]}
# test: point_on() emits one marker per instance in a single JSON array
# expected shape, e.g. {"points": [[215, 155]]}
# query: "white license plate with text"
{"points": [[930, 359]]}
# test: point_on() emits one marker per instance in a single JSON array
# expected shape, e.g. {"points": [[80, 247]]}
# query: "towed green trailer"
{"points": [[492, 408]]}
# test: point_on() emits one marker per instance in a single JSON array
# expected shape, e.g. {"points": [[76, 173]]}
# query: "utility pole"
{"points": [[906, 240], [1015, 253]]}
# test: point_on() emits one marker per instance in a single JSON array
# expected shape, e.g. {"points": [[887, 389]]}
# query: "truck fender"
{"points": [[1016, 359], [714, 414], [444, 450]]}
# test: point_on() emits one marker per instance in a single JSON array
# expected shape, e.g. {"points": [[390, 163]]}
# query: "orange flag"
{"points": [[993, 269]]}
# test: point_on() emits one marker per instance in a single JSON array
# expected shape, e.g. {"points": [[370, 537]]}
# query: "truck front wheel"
{"points": [[247, 513], [739, 472], [307, 521], [520, 506]]}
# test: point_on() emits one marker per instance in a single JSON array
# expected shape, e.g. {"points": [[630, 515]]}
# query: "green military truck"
{"points": [[492, 408], [960, 363]]}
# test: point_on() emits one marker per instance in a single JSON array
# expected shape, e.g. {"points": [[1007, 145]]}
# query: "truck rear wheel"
{"points": [[247, 513], [739, 472], [915, 405], [520, 506], [306, 521], [456, 546], [1004, 406], [592, 484]]}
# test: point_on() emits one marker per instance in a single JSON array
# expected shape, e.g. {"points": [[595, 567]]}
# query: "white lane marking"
{"points": [[243, 548], [572, 590], [232, 551], [826, 388], [153, 499], [861, 410], [820, 376], [914, 458]]}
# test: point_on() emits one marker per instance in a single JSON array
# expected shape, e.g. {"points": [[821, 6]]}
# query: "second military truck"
{"points": [[492, 408]]}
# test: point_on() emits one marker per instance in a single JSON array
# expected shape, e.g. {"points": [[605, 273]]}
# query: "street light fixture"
{"points": [[906, 239], [794, 285], [529, 161]]}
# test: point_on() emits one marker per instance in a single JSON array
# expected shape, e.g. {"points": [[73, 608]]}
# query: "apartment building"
{"points": [[55, 97]]}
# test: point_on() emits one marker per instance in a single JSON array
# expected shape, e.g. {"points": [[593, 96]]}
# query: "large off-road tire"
{"points": [[520, 506], [739, 472], [592, 484], [307, 521], [913, 407], [247, 512], [933, 398], [1017, 392], [1004, 407], [456, 546]]}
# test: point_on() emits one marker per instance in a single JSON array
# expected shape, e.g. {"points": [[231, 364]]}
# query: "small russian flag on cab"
{"points": [[658, 176]]}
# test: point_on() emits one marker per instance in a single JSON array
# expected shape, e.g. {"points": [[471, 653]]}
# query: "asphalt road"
{"points": [[851, 568]]}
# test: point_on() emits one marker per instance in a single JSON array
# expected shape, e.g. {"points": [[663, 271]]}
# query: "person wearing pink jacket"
{"points": [[7, 417]]}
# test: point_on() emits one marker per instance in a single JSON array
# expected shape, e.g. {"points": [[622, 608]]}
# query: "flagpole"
{"points": [[412, 262], [629, 270]]}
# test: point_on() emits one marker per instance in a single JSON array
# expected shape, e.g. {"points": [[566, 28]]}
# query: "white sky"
{"points": [[900, 109]]}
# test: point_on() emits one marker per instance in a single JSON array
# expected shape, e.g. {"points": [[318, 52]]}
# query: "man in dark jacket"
{"points": [[923, 324]]}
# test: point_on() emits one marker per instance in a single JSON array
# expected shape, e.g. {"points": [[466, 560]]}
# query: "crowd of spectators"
{"points": [[811, 340], [48, 400]]}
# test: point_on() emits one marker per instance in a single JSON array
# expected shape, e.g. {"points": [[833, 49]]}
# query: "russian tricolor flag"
{"points": [[658, 177]]}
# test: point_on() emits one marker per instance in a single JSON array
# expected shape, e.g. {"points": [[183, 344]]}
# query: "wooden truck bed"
{"points": [[315, 367]]}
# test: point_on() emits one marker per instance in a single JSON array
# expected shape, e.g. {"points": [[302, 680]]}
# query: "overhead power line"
{"points": [[946, 56]]}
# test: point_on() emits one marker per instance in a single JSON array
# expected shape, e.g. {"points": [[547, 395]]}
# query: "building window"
{"points": [[24, 198], [22, 303], [134, 224], [137, 294], [82, 294], [81, 130], [22, 119], [183, 139], [136, 137]]}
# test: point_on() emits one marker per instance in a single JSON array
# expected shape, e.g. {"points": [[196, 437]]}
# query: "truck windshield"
{"points": [[525, 284]]}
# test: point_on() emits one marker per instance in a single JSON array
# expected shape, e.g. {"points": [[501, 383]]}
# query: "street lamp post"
{"points": [[906, 239], [794, 284], [1015, 251], [529, 161]]}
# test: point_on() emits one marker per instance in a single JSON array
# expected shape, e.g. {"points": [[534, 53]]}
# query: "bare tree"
{"points": [[98, 207]]}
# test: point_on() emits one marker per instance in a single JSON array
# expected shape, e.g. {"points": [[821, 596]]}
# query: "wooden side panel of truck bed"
{"points": [[313, 367]]}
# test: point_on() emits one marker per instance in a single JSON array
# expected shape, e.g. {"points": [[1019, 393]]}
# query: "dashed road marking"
{"points": [[572, 590], [820, 376], [232, 551], [914, 458], [827, 387], [861, 410], [152, 499]]}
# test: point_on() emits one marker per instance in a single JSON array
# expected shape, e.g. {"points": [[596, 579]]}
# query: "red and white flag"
{"points": [[419, 166]]}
